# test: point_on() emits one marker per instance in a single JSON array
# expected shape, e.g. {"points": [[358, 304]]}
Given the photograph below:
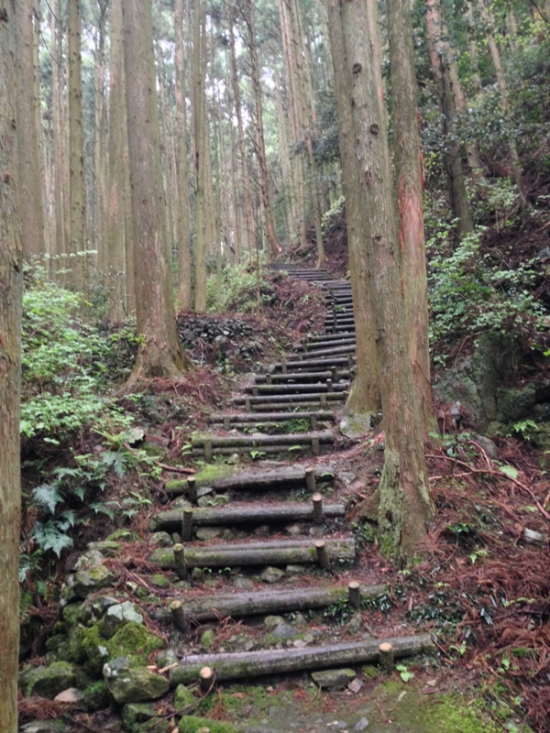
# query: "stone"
{"points": [[361, 725], [243, 583], [355, 426], [44, 726], [133, 684], [294, 529], [119, 615], [70, 695], [333, 679], [263, 530], [91, 580], [136, 713], [216, 500], [47, 681], [283, 631], [108, 548], [160, 539], [183, 698], [356, 685], [96, 696], [487, 444], [234, 459], [166, 658], [208, 533], [89, 560], [292, 570], [121, 535], [272, 575], [159, 580]]}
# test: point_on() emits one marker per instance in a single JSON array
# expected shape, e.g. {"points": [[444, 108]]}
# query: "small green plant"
{"points": [[524, 429], [256, 455], [404, 672]]}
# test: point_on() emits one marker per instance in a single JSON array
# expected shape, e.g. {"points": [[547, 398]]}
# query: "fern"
{"points": [[48, 495]]}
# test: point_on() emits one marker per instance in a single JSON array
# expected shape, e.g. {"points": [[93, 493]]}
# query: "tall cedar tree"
{"points": [[405, 504], [11, 279], [160, 353]]}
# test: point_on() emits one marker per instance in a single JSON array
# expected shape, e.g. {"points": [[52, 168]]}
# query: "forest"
{"points": [[274, 366]]}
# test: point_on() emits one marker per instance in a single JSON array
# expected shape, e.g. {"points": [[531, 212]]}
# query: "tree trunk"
{"points": [[30, 174], [409, 185], [60, 246], [160, 353], [504, 101], [364, 396], [183, 227], [440, 59], [405, 502], [11, 277], [77, 186], [250, 226], [116, 232], [258, 121]]}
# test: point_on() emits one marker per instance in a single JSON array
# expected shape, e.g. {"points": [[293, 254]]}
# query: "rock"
{"points": [[355, 625], [243, 583], [160, 539], [292, 570], [70, 695], [271, 622], [333, 679], [216, 500], [355, 426], [133, 684], [91, 580], [283, 631], [121, 535], [108, 548], [166, 658], [95, 608], [234, 459], [96, 696], [183, 698], [488, 446], [44, 726], [119, 615], [356, 685], [208, 533], [47, 681], [135, 713], [299, 643], [263, 530], [361, 725], [294, 529], [161, 581], [272, 575], [348, 477], [89, 560]]}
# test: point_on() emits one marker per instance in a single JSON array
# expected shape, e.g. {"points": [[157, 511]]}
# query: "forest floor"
{"points": [[482, 589]]}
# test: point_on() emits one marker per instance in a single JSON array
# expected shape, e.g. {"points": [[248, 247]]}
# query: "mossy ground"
{"points": [[389, 706]]}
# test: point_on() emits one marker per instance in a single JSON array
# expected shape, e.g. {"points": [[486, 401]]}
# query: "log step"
{"points": [[257, 480], [322, 364], [292, 400], [284, 600], [301, 388], [270, 419], [304, 376], [245, 512], [239, 665], [339, 340], [274, 552]]}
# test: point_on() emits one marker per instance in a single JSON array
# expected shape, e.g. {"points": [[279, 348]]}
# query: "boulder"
{"points": [[119, 615], [272, 575], [47, 681], [133, 684], [91, 580], [333, 679], [136, 713]]}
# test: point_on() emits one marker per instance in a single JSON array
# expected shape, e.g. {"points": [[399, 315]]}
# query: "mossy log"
{"points": [[259, 408], [280, 477], [239, 665], [259, 439], [242, 512], [276, 552], [249, 603], [271, 419]]}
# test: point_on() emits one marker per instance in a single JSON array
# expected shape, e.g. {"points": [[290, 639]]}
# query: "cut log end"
{"points": [[206, 680], [385, 656], [354, 594], [322, 554]]}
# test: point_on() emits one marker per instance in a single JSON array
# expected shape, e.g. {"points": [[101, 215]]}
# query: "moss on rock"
{"points": [[193, 724]]}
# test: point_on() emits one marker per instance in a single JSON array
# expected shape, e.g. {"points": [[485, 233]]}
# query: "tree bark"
{"points": [[364, 395], [405, 501], [240, 665], [11, 279], [259, 125], [441, 60], [77, 185], [159, 353], [409, 185], [30, 174], [117, 235]]}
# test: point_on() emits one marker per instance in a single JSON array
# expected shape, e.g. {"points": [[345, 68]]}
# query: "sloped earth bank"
{"points": [[279, 517]]}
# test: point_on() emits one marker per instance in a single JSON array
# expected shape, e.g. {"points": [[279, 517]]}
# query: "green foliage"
{"points": [[472, 293], [332, 217], [66, 364], [237, 289]]}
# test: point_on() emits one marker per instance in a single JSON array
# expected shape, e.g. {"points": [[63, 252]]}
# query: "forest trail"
{"points": [[269, 604]]}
